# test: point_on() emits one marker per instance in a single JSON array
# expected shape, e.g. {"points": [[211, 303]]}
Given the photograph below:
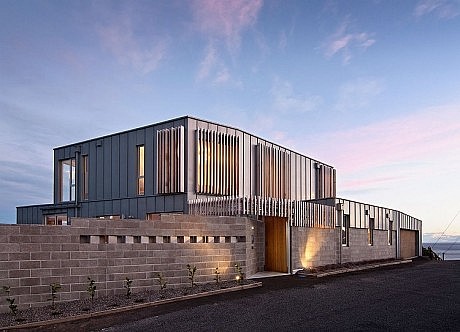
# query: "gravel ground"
{"points": [[411, 297], [73, 308]]}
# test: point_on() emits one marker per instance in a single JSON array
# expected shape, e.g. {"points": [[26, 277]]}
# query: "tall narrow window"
{"points": [[140, 170], [345, 230], [390, 232], [67, 180], [85, 173], [370, 232]]}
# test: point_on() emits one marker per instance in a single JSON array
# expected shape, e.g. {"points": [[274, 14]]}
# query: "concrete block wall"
{"points": [[108, 251], [313, 247], [360, 250], [255, 249]]}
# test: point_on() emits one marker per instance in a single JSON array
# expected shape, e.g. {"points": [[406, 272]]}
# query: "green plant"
{"points": [[91, 288], [13, 307], [191, 273], [217, 275], [127, 285], [55, 287], [239, 273], [161, 280]]}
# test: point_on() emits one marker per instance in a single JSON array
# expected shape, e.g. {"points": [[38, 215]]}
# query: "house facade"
{"points": [[159, 168], [191, 166]]}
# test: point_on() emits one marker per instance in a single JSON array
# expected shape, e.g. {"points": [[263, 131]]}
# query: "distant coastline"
{"points": [[451, 250]]}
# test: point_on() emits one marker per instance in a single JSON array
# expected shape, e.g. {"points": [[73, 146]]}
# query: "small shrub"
{"points": [[239, 273], [13, 307], [217, 275], [91, 289], [191, 274], [55, 287], [127, 285], [161, 280]]}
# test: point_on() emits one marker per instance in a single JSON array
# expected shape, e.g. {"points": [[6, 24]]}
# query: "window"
{"points": [[60, 219], [390, 233], [67, 180], [345, 230], [370, 232], [85, 172], [140, 170]]}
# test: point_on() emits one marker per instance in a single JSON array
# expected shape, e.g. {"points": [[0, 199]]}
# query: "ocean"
{"points": [[451, 250]]}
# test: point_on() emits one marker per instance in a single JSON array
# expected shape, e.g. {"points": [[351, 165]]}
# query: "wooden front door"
{"points": [[275, 244]]}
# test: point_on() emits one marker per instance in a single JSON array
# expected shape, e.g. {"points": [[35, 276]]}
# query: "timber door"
{"points": [[275, 244]]}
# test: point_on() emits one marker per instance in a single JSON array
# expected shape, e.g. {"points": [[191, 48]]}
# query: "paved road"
{"points": [[414, 297]]}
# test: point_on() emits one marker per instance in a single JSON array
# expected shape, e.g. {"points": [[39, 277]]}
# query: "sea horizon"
{"points": [[451, 250]]}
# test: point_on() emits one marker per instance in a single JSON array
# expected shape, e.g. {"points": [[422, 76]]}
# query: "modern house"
{"points": [[160, 167], [191, 166]]}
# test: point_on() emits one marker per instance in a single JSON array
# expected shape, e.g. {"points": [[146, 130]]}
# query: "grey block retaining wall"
{"points": [[312, 247], [33, 256]]}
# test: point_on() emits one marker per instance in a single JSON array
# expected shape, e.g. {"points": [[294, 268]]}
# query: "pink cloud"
{"points": [[119, 39], [226, 19], [343, 41], [424, 137], [443, 9]]}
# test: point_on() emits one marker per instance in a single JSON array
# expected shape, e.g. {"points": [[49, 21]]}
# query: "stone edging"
{"points": [[129, 307], [358, 268]]}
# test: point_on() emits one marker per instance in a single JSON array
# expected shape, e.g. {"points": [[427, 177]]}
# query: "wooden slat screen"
{"points": [[216, 163], [170, 160], [274, 172]]}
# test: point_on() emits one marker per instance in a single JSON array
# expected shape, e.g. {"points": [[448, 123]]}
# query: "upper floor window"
{"points": [[140, 170], [85, 174], [67, 180]]}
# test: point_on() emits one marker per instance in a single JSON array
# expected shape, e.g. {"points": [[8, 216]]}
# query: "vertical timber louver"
{"points": [[216, 163], [274, 172], [170, 160]]}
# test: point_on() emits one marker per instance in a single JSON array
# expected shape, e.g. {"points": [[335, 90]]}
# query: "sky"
{"points": [[369, 87]]}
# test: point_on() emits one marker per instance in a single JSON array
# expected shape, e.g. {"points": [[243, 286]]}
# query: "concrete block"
{"points": [[29, 282], [19, 274]]}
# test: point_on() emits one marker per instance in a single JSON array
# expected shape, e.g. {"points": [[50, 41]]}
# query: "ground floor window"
{"points": [[60, 219], [370, 232], [345, 230], [390, 233], [108, 217]]}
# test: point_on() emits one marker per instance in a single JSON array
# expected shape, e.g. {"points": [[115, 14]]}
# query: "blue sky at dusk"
{"points": [[369, 87]]}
